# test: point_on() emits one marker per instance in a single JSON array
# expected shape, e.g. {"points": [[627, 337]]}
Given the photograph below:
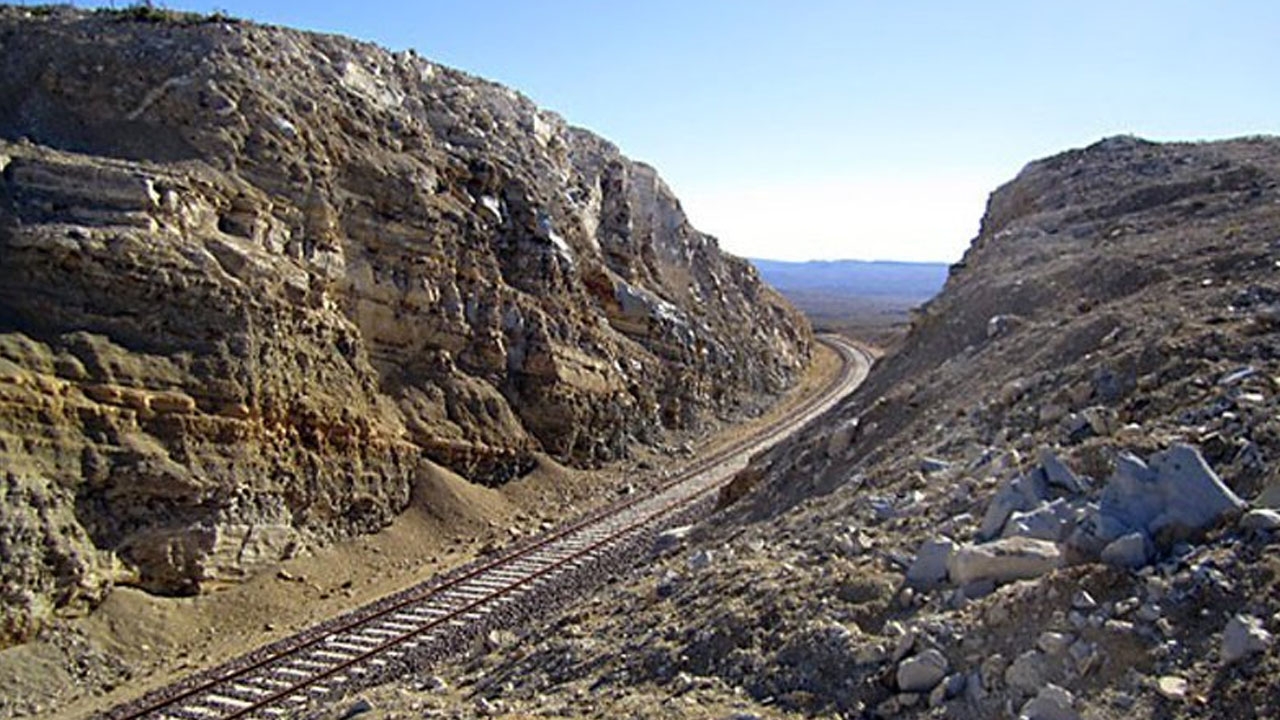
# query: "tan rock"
{"points": [[1012, 558]]}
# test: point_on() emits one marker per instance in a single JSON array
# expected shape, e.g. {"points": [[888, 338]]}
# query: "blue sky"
{"points": [[825, 128]]}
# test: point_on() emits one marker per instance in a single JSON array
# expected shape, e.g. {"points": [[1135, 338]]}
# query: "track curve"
{"points": [[423, 624]]}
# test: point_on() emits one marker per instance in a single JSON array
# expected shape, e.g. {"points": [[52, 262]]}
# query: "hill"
{"points": [[255, 282], [868, 300]]}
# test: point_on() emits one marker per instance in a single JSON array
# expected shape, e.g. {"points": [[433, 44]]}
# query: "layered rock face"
{"points": [[249, 277]]}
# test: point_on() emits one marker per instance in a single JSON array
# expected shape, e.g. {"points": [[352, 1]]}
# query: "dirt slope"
{"points": [[1051, 502]]}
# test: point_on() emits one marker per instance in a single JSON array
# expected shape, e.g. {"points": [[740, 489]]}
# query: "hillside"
{"points": [[256, 285], [1057, 498], [868, 300]]}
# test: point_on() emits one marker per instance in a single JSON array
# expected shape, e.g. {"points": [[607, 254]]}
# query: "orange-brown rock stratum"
{"points": [[250, 278]]}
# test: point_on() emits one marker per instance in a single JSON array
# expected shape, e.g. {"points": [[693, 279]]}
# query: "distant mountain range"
{"points": [[912, 283]]}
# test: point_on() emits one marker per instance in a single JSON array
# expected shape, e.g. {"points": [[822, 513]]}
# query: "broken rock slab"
{"points": [[1050, 521], [1014, 558], [1018, 494], [1175, 494]]}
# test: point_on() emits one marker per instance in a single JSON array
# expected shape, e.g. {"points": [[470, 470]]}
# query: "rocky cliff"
{"points": [[1058, 499], [250, 277]]}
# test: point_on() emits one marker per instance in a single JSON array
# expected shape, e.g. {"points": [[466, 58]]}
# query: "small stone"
{"points": [[671, 538], [1027, 672], [1261, 519], [1082, 600], [1242, 637], [920, 673], [1051, 703], [1129, 551], [932, 465], [701, 559], [1172, 687], [938, 696], [1149, 612], [1058, 474], [1103, 421], [1053, 643], [991, 672], [1084, 655], [359, 707], [906, 639], [434, 683]]}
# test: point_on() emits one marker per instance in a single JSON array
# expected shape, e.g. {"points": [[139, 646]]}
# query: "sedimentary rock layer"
{"points": [[250, 277]]}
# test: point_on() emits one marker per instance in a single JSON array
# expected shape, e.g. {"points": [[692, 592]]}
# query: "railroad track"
{"points": [[424, 624]]}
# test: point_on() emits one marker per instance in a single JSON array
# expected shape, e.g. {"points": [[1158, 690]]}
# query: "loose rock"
{"points": [[1014, 558], [1242, 637], [930, 566], [1172, 687], [1128, 551], [1051, 703], [920, 673], [1262, 519]]}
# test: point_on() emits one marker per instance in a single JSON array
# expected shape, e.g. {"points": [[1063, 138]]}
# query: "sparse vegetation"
{"points": [[148, 11]]}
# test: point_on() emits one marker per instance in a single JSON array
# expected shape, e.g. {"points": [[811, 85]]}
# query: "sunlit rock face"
{"points": [[251, 277]]}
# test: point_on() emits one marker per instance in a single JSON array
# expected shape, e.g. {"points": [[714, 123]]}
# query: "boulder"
{"points": [[1053, 643], [1128, 551], [1242, 637], [1014, 558], [920, 673], [1175, 495], [929, 569]]}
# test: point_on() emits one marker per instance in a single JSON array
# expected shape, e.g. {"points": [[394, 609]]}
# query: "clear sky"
{"points": [[799, 129]]}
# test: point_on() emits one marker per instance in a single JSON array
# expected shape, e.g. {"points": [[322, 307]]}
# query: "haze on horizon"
{"points": [[822, 129]]}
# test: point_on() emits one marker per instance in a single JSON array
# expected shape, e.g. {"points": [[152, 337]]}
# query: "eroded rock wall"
{"points": [[249, 277]]}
